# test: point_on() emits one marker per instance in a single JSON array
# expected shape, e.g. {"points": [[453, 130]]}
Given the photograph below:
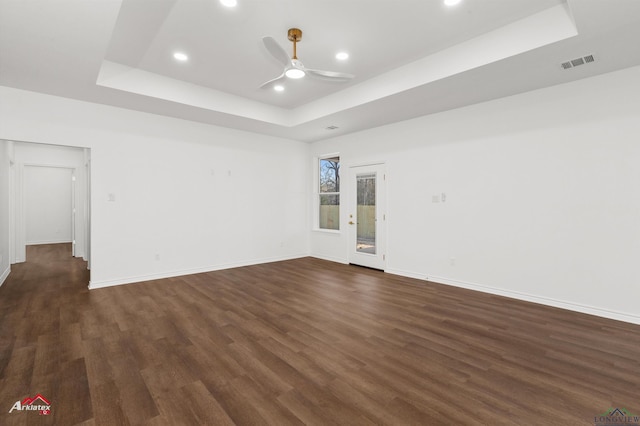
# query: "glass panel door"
{"points": [[366, 213], [367, 216]]}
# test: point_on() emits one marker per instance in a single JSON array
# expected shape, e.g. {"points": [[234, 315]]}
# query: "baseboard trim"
{"points": [[329, 259], [590, 310], [571, 306], [5, 275], [39, 243], [172, 274], [407, 274]]}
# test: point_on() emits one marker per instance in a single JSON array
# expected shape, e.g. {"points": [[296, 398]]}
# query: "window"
{"points": [[329, 193]]}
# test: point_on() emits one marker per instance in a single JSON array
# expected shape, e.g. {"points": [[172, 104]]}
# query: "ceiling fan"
{"points": [[293, 67]]}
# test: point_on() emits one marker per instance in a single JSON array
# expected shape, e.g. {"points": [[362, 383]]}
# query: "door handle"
{"points": [[351, 222]]}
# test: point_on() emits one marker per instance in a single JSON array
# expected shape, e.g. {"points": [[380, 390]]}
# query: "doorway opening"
{"points": [[49, 205], [49, 200]]}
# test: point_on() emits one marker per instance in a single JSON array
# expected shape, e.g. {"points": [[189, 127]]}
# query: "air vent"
{"points": [[577, 62], [332, 127]]}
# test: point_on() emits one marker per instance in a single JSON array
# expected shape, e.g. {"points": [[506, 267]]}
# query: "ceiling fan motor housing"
{"points": [[294, 34]]}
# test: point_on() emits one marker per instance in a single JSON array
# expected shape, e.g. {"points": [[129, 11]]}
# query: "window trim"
{"points": [[317, 194]]}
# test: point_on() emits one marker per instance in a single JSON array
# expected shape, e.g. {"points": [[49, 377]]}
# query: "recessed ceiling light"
{"points": [[342, 56], [179, 56], [229, 3], [294, 73], [278, 88], [451, 2]]}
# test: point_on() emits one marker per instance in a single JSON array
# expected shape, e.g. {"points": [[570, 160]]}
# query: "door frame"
{"points": [[377, 261]]}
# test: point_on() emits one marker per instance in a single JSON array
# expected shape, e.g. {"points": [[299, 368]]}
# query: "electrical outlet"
{"points": [[452, 261]]}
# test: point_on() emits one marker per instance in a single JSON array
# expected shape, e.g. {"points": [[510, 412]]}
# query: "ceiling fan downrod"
{"points": [[294, 35]]}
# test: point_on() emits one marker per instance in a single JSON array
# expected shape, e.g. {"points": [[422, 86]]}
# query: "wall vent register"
{"points": [[577, 62]]}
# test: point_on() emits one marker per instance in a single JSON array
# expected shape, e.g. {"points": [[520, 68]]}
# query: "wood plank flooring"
{"points": [[299, 342]]}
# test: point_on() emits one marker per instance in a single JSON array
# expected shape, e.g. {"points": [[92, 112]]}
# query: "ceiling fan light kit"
{"points": [[295, 73], [293, 67]]}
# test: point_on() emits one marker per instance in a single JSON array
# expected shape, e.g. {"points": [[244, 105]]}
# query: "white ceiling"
{"points": [[410, 57]]}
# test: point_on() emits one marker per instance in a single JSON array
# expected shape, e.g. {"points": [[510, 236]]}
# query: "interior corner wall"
{"points": [[542, 195], [171, 197], [4, 210]]}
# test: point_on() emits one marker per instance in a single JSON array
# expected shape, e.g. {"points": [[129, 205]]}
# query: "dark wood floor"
{"points": [[300, 342]]}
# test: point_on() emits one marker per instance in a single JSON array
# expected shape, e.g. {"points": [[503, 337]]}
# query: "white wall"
{"points": [[48, 204], [542, 192], [187, 197], [4, 211], [542, 195]]}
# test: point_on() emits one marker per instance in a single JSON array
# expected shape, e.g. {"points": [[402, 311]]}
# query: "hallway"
{"points": [[41, 304]]}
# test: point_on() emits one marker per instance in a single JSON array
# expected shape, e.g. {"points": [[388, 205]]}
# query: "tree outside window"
{"points": [[329, 193]]}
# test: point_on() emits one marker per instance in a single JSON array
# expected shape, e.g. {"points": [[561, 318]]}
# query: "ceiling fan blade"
{"points": [[276, 50], [329, 75], [272, 82]]}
